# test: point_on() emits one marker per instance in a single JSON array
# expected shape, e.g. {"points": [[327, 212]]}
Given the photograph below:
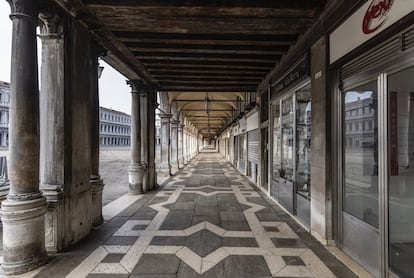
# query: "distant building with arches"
{"points": [[114, 129]]}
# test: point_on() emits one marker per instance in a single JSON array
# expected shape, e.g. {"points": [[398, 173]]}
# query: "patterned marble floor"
{"points": [[207, 221]]}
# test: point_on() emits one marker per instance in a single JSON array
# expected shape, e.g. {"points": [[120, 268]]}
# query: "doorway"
{"points": [[377, 179]]}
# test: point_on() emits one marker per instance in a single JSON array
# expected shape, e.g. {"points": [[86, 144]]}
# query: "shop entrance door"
{"points": [[360, 194], [265, 156], [400, 168], [287, 155]]}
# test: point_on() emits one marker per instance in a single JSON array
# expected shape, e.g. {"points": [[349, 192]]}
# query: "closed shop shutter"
{"points": [[253, 146], [377, 56]]}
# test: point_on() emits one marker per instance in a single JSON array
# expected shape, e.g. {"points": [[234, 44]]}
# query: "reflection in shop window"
{"points": [[401, 172], [360, 151], [303, 143]]}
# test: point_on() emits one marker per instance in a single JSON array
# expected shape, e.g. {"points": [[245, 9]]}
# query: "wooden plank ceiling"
{"points": [[197, 46]]}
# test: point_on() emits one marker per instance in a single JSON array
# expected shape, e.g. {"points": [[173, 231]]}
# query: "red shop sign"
{"points": [[376, 15]]}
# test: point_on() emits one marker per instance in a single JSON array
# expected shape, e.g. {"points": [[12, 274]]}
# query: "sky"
{"points": [[113, 91]]}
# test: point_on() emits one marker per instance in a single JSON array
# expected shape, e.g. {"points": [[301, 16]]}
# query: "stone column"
{"points": [[144, 135], [97, 183], [180, 146], [185, 146], [174, 145], [165, 166], [23, 212], [136, 169], [52, 128], [152, 102]]}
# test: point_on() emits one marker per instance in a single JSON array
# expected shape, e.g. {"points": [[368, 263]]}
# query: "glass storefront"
{"points": [[291, 143], [360, 149], [401, 172], [276, 156], [363, 177], [242, 152]]}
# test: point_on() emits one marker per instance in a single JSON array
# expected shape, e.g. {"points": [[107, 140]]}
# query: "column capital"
{"points": [[136, 85], [174, 123], [50, 23], [23, 9], [165, 115]]}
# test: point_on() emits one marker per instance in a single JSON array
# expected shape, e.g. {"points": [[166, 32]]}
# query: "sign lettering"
{"points": [[375, 15]]}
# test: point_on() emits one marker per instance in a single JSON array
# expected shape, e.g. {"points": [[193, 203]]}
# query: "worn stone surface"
{"points": [[158, 241]]}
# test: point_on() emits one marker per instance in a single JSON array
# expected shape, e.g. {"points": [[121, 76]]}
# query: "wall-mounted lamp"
{"points": [[100, 70]]}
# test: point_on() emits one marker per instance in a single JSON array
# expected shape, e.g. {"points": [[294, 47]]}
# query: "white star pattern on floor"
{"points": [[273, 255]]}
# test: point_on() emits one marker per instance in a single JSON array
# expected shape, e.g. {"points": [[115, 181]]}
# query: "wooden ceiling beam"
{"points": [[204, 56], [239, 79], [203, 89], [205, 25], [162, 4], [203, 100], [203, 83], [207, 77], [185, 67], [148, 60], [218, 51], [258, 39]]}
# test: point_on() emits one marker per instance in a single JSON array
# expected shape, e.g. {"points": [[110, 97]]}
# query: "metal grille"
{"points": [[408, 39], [372, 58], [253, 146]]}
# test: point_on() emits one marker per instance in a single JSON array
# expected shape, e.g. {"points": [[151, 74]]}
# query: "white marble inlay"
{"points": [[117, 206], [117, 249], [87, 265], [295, 271], [272, 255], [275, 263], [315, 265], [190, 258], [115, 268]]}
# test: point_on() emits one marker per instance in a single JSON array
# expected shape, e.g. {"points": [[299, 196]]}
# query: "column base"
{"points": [[136, 177], [145, 179], [23, 218], [97, 186], [54, 218], [174, 168], [164, 170]]}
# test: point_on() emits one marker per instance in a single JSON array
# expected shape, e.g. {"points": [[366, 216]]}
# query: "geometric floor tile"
{"points": [[208, 221]]}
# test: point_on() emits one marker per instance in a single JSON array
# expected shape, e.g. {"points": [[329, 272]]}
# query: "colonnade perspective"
{"points": [[180, 140], [55, 196]]}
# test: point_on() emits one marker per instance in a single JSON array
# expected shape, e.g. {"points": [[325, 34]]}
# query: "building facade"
{"points": [[4, 113], [114, 128]]}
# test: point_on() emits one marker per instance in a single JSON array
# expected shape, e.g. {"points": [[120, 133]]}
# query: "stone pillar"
{"points": [[152, 102], [165, 166], [97, 183], [52, 131], [180, 146], [174, 146], [321, 166], [185, 145], [23, 211], [136, 169], [144, 135]]}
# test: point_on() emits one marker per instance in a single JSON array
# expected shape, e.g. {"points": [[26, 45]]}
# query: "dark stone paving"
{"points": [[221, 209]]}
